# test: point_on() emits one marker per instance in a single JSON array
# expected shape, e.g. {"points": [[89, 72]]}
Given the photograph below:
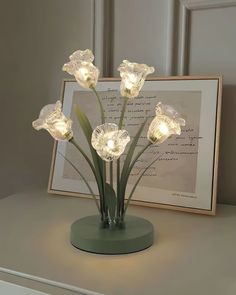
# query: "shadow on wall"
{"points": [[227, 159]]}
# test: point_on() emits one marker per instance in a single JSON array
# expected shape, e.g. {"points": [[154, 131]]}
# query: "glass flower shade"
{"points": [[81, 66], [54, 121], [166, 123], [133, 76], [109, 142]]}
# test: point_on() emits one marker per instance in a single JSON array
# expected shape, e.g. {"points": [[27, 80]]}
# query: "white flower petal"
{"points": [[109, 142], [82, 55], [54, 121], [133, 76], [166, 123], [80, 65]]}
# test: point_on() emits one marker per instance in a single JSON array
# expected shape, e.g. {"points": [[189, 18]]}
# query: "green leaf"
{"points": [[97, 161], [84, 123], [87, 129], [110, 198], [123, 180]]}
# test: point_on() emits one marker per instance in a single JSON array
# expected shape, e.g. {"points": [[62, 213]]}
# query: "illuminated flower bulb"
{"points": [[166, 123], [54, 121], [109, 142], [81, 66], [133, 76]]}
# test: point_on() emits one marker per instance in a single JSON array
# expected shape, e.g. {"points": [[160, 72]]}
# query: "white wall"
{"points": [[176, 36]]}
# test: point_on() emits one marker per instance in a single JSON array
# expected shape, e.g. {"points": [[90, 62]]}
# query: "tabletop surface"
{"points": [[11, 289], [192, 254]]}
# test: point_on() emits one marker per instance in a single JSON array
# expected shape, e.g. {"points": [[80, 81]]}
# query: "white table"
{"points": [[192, 254]]}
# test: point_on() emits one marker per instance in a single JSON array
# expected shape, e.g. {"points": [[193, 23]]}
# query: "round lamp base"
{"points": [[136, 236]]}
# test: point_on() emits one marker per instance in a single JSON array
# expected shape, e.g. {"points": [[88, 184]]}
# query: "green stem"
{"points": [[72, 140], [138, 180], [100, 105], [111, 174], [123, 112], [118, 188], [118, 207], [104, 176], [137, 157], [127, 174]]}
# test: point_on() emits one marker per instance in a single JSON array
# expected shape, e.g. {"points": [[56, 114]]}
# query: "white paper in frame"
{"points": [[185, 176]]}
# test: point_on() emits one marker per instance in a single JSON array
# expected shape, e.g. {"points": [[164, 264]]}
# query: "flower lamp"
{"points": [[111, 231], [80, 65], [109, 142], [166, 122], [53, 120], [133, 76]]}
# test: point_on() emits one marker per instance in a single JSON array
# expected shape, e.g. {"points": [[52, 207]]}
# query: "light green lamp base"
{"points": [[136, 236]]}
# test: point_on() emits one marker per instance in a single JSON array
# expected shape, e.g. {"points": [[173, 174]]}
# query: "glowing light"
{"points": [[83, 72], [163, 128], [109, 141], [133, 76], [80, 65], [54, 121], [167, 122]]}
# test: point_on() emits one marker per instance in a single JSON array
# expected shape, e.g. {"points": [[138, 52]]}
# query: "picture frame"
{"points": [[185, 178]]}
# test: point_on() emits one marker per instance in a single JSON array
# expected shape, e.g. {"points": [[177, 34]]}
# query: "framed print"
{"points": [[185, 175]]}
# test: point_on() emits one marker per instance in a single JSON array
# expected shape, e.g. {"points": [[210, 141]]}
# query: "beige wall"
{"points": [[139, 33], [212, 48], [177, 37], [37, 36], [187, 37]]}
